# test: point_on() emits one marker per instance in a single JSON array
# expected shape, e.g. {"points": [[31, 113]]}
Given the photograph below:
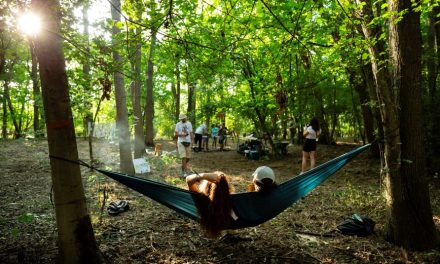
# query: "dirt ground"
{"points": [[151, 233]]}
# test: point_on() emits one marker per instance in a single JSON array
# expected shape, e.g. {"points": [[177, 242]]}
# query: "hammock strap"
{"points": [[79, 162]]}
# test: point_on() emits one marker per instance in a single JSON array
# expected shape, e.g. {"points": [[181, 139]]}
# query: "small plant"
{"points": [[26, 218]]}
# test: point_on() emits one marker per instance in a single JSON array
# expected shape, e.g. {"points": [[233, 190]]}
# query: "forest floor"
{"points": [[151, 233]]}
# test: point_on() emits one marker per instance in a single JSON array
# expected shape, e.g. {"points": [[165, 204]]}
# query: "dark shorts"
{"points": [[309, 145]]}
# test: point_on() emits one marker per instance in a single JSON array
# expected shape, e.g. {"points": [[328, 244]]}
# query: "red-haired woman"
{"points": [[214, 204]]}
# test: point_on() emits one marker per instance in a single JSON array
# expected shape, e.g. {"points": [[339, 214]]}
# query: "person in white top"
{"points": [[200, 131], [184, 132], [311, 132]]}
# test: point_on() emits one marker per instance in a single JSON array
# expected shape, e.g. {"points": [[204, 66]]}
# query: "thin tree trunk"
{"points": [[4, 116], [408, 188], [149, 106], [17, 131], [139, 139], [76, 240], [191, 102], [190, 109], [87, 113], [89, 119], [436, 11], [125, 156], [175, 89], [36, 93], [431, 56], [368, 78], [364, 98]]}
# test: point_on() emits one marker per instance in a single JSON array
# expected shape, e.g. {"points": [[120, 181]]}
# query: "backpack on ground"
{"points": [[356, 225]]}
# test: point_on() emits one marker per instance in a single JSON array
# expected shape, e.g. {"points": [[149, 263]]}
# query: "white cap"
{"points": [[182, 116], [263, 172]]}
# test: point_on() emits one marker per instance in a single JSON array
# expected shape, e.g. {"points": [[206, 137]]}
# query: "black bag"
{"points": [[185, 144], [361, 226]]}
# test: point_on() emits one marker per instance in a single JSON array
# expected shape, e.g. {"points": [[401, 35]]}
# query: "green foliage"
{"points": [[26, 218], [240, 57]]}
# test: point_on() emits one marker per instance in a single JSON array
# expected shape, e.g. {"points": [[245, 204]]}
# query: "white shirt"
{"points": [[312, 134], [201, 129], [184, 128]]}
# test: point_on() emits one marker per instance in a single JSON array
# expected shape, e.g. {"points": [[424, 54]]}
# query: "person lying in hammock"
{"points": [[214, 204]]}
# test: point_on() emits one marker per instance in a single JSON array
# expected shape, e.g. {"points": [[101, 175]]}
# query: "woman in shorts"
{"points": [[311, 132]]}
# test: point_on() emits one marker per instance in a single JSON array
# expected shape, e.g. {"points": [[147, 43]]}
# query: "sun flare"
{"points": [[30, 24]]}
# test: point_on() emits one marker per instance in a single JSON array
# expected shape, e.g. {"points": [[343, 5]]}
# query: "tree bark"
{"points": [[36, 93], [190, 109], [364, 97], [125, 156], [139, 139], [408, 188], [6, 94], [88, 119], [431, 55], [149, 106], [76, 240], [4, 116], [368, 77]]}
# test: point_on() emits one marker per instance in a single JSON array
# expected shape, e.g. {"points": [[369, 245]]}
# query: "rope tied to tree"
{"points": [[79, 162]]}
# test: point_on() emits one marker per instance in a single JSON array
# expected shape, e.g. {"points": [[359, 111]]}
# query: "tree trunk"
{"points": [[149, 106], [36, 93], [88, 120], [190, 110], [139, 139], [436, 11], [368, 77], [364, 98], [431, 56], [4, 117], [125, 157], [76, 240], [175, 89], [408, 188], [17, 131]]}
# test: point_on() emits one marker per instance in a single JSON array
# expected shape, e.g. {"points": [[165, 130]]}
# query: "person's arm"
{"points": [[179, 133], [306, 132], [193, 179]]}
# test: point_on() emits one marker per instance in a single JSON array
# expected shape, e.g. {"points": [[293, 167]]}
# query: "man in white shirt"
{"points": [[184, 132], [200, 131]]}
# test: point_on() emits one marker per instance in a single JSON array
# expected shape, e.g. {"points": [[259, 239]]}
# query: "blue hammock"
{"points": [[252, 208]]}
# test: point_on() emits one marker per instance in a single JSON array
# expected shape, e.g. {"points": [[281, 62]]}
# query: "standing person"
{"points": [[205, 142], [184, 131], [311, 132], [200, 131], [222, 136], [214, 135]]}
